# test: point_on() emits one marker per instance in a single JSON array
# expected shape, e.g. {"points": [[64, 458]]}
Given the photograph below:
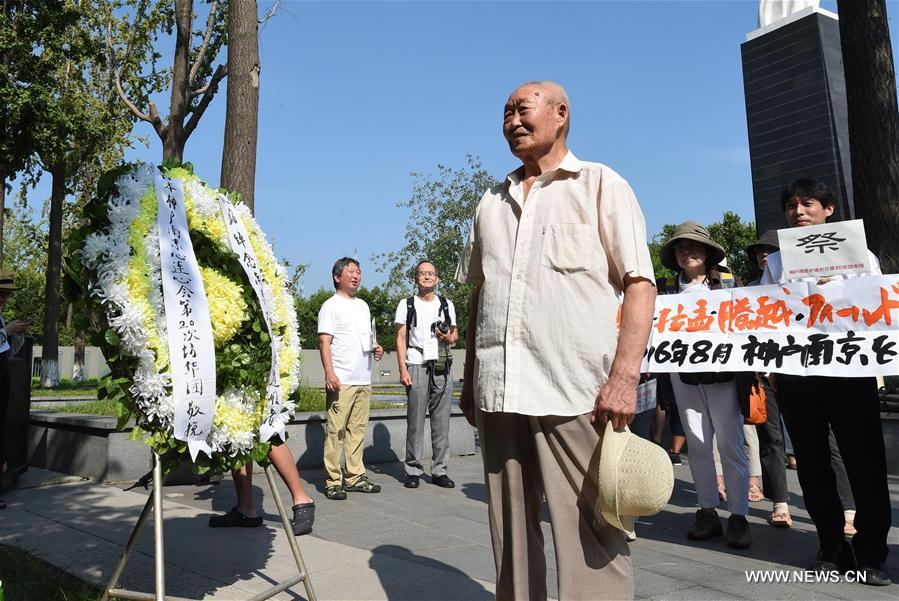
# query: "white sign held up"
{"points": [[823, 250]]}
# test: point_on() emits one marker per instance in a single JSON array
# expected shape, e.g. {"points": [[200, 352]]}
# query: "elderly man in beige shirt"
{"points": [[551, 251]]}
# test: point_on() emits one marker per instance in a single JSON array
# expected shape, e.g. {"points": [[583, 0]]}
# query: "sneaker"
{"points": [[737, 532], [675, 458], [335, 493], [411, 481], [873, 574], [303, 518], [443, 481], [706, 525], [363, 484], [834, 559]]}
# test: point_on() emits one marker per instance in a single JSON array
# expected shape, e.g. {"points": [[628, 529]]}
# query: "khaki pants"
{"points": [[527, 458], [348, 412]]}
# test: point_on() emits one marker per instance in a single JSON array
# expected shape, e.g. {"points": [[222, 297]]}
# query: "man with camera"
{"points": [[425, 331]]}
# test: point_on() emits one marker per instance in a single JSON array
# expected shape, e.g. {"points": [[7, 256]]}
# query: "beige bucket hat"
{"points": [[690, 230], [6, 281], [635, 478]]}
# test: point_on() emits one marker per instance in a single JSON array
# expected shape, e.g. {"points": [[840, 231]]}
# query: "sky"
{"points": [[355, 96]]}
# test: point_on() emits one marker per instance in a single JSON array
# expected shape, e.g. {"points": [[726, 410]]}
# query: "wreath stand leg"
{"points": [[302, 575], [155, 502]]}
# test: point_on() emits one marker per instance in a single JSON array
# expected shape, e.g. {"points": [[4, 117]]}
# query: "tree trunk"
{"points": [[50, 352], [873, 124], [2, 213], [173, 144], [242, 113], [78, 367]]}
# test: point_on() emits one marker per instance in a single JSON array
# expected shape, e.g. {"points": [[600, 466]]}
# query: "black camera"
{"points": [[440, 326]]}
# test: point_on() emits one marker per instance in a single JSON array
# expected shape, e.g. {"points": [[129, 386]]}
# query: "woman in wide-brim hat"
{"points": [[707, 402]]}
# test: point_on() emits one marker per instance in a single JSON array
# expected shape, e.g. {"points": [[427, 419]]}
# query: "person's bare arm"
{"points": [[466, 398], [617, 399], [405, 377], [332, 382]]}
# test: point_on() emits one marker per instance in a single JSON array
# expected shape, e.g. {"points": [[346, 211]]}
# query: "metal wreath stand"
{"points": [[155, 502]]}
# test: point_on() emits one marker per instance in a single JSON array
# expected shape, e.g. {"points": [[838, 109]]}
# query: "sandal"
{"points": [[780, 519], [849, 528], [755, 491], [234, 518]]}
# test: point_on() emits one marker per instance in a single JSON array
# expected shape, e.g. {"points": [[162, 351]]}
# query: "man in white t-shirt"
{"points": [[346, 344], [813, 405], [424, 336]]}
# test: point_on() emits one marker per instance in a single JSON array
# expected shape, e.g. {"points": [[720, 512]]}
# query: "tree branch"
{"points": [[271, 13], [211, 88], [210, 24]]}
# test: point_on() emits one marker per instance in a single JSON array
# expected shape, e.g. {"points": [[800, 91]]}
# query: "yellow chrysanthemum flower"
{"points": [[227, 307]]}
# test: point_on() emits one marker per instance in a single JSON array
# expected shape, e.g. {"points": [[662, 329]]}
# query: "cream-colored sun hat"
{"points": [[635, 478]]}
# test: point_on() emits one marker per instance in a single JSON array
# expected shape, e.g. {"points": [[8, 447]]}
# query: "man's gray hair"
{"points": [[556, 96]]}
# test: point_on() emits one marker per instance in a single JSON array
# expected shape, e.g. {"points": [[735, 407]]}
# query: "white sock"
{"points": [[849, 515], [781, 508]]}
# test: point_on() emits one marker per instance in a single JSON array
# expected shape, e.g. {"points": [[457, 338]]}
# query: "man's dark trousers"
{"points": [[850, 406]]}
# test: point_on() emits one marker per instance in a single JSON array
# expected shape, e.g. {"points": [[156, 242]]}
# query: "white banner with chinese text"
{"points": [[239, 240], [839, 328], [191, 350]]}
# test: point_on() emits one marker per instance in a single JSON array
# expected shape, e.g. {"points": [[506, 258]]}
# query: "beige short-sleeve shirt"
{"points": [[551, 272]]}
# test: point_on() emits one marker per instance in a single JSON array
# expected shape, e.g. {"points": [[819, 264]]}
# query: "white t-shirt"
{"points": [[426, 313], [348, 320], [774, 271]]}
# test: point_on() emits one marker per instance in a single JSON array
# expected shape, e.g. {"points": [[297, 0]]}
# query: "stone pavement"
{"points": [[424, 544]]}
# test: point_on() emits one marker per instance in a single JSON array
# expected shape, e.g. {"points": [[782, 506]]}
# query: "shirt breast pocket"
{"points": [[571, 247]]}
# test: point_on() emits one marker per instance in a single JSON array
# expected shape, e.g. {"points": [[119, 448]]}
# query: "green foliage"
{"points": [[442, 208], [731, 232], [735, 235]]}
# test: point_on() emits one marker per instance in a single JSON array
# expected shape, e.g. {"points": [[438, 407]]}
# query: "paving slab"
{"points": [[423, 544]]}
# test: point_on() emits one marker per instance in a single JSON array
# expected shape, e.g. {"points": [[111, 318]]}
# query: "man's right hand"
{"points": [[405, 378], [466, 402], [332, 383]]}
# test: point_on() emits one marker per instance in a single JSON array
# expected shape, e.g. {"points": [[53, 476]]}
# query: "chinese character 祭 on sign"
{"points": [[850, 406], [820, 242]]}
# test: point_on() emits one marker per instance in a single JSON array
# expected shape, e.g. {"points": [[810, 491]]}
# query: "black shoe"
{"points": [[303, 518], [837, 558], [873, 574], [737, 532], [675, 458], [411, 481], [443, 481], [706, 525], [233, 519], [335, 493]]}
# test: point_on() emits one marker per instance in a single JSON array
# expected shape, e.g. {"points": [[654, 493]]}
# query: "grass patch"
{"points": [[44, 393], [27, 578], [99, 407]]}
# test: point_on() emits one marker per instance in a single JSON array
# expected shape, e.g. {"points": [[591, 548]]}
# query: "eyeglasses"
{"points": [[427, 273]]}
